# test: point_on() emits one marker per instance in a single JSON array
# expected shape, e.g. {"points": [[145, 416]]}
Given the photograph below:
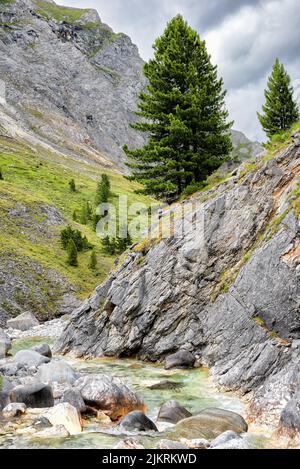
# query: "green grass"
{"points": [[60, 13], [34, 179], [1, 382]]}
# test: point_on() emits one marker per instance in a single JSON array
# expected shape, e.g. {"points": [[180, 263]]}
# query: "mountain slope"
{"points": [[225, 287], [71, 80]]}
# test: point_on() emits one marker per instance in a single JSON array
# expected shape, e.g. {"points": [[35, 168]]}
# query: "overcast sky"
{"points": [[243, 36]]}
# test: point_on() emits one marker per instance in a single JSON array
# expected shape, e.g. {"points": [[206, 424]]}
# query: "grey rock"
{"points": [[40, 423], [172, 412], [5, 344], [137, 421], [166, 385], [33, 396], [57, 371], [23, 322], [210, 423], [109, 394], [43, 349], [180, 359], [74, 397], [169, 444], [235, 443], [13, 410], [30, 358], [57, 431], [290, 417], [224, 438]]}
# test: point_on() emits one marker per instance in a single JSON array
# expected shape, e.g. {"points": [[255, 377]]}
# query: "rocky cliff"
{"points": [[225, 287], [71, 80]]}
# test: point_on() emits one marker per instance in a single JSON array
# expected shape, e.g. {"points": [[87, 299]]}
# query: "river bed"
{"points": [[196, 392]]}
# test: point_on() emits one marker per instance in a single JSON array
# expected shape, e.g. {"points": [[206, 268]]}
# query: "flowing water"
{"points": [[196, 392]]}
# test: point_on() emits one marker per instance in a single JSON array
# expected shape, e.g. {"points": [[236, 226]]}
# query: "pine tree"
{"points": [[93, 261], [280, 111], [72, 185], [83, 217], [72, 253], [182, 112], [103, 190], [1, 175], [74, 216]]}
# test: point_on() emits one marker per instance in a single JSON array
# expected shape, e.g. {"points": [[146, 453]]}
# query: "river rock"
{"points": [[181, 359], [43, 349], [67, 415], [23, 322], [34, 396], [14, 409], [169, 444], [235, 443], [109, 394], [290, 417], [74, 397], [5, 388], [224, 438], [172, 412], [30, 358], [57, 371], [165, 385], [5, 344], [210, 423], [40, 423], [129, 443], [58, 431], [137, 421], [199, 443]]}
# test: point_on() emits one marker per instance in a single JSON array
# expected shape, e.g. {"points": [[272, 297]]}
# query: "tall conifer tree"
{"points": [[183, 113], [280, 111]]}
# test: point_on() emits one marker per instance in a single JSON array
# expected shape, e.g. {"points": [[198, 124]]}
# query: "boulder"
{"points": [[169, 444], [289, 423], [14, 409], [5, 344], [67, 415], [58, 431], [30, 358], [137, 421], [109, 394], [5, 388], [74, 397], [199, 443], [35, 396], [210, 423], [43, 349], [224, 438], [165, 385], [40, 423], [180, 359], [172, 412], [23, 322], [129, 443], [57, 371]]}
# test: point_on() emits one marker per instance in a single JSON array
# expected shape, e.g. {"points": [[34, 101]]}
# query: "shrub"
{"points": [[81, 242], [72, 185], [72, 253]]}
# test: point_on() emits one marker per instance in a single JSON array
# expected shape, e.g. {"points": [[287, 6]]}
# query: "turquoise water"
{"points": [[196, 393]]}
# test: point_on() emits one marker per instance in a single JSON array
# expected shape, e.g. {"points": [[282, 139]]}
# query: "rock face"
{"points": [[226, 288], [73, 82], [23, 322], [109, 394], [290, 417], [210, 423]]}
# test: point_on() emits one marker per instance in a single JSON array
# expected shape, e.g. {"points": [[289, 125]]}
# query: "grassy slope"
{"points": [[37, 178]]}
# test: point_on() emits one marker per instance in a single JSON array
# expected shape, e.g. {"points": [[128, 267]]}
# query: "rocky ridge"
{"points": [[227, 290]]}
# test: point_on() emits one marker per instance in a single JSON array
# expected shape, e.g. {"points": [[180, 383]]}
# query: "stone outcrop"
{"points": [[225, 289]]}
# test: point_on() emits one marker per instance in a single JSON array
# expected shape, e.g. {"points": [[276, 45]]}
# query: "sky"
{"points": [[244, 37]]}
